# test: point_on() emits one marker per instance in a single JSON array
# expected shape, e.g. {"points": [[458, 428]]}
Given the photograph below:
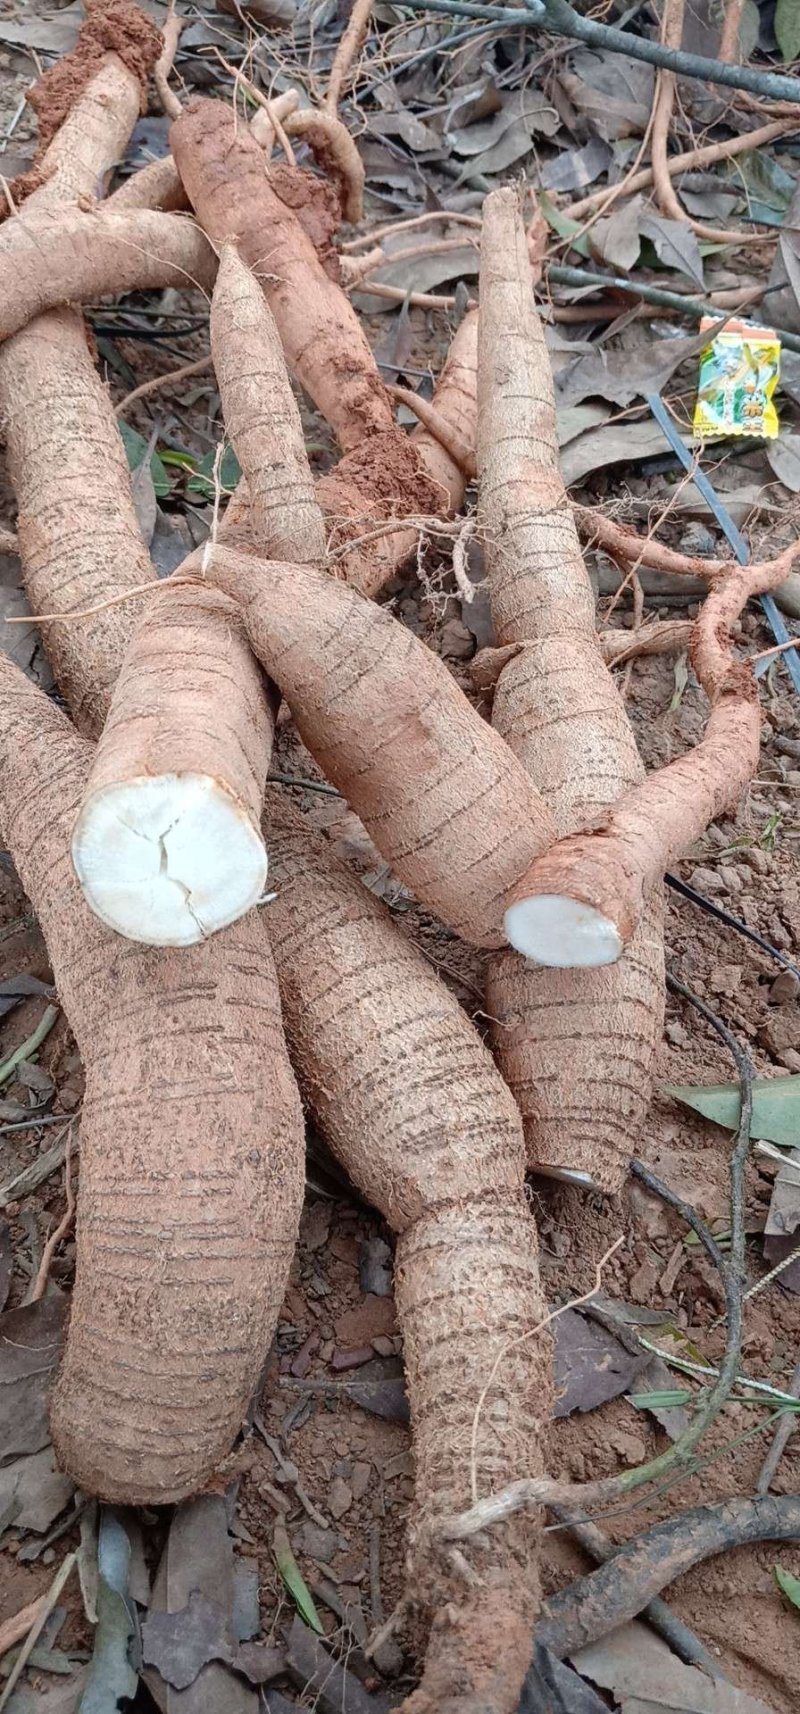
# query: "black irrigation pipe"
{"points": [[557, 18], [692, 308], [730, 921]]}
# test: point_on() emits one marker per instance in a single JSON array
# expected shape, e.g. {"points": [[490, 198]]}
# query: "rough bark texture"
{"points": [[191, 1167], [224, 173], [261, 417], [167, 845], [441, 795], [52, 398], [80, 255], [575, 1046], [408, 1097], [192, 1145]]}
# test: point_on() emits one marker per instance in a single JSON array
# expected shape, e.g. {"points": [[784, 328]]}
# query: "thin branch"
{"points": [[40, 1283], [158, 383], [166, 59]]}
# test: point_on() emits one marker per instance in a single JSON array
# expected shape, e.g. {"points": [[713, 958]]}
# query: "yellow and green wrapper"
{"points": [[739, 372]]}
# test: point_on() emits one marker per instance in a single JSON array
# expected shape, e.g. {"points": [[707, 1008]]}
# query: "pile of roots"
{"points": [[145, 833]]}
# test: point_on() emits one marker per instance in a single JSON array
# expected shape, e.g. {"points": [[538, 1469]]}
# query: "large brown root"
{"points": [[192, 1143], [49, 258], [66, 459], [191, 1175], [222, 169], [82, 102], [261, 417], [575, 1048], [409, 1100], [441, 794], [167, 846]]}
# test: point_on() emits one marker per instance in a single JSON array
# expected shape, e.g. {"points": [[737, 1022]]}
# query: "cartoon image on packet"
{"points": [[739, 372]]}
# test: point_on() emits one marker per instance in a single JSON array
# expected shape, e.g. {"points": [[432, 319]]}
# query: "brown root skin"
{"points": [[191, 1170], [394, 475], [391, 729], [429, 1133], [223, 171], [559, 1034], [190, 1103], [72, 557], [167, 846], [336, 153], [262, 418], [72, 258], [110, 27]]}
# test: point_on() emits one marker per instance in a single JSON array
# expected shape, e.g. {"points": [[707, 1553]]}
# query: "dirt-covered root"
{"points": [[468, 1300], [261, 416], [89, 98], [49, 259], [222, 168], [392, 475], [336, 153], [442, 796], [79, 539], [167, 846], [191, 1167], [576, 1047], [409, 1100]]}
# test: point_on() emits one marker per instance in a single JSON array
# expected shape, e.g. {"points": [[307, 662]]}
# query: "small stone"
{"points": [[677, 1035], [793, 777], [757, 859], [791, 1059], [316, 1543], [375, 1267], [643, 1283], [706, 881], [698, 542], [725, 979], [389, 1659], [340, 1498], [785, 988], [360, 1479], [351, 1359], [48, 1557], [631, 1447], [731, 879], [457, 644], [383, 1345]]}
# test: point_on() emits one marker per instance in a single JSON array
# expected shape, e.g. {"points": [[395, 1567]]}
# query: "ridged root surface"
{"points": [[441, 795], [191, 1163], [408, 1097], [576, 1046]]}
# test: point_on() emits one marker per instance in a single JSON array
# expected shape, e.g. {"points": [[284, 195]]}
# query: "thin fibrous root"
{"points": [[558, 1034]]}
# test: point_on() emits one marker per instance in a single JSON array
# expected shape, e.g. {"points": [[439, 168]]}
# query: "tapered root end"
{"points": [[168, 860], [560, 932]]}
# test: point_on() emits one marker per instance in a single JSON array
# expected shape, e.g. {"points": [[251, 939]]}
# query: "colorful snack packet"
{"points": [[739, 371]]}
